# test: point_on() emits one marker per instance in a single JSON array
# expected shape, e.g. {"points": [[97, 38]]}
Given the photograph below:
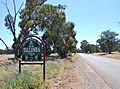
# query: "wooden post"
{"points": [[44, 71], [44, 62], [42, 51], [19, 66]]}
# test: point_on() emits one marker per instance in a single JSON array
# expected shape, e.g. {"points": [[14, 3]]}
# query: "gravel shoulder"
{"points": [[79, 75]]}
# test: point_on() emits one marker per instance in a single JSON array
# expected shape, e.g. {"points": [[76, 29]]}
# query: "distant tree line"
{"points": [[107, 43]]}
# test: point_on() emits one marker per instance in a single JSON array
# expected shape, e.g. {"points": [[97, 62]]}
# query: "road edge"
{"points": [[81, 58]]}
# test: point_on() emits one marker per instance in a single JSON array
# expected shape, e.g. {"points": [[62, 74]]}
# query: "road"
{"points": [[107, 68]]}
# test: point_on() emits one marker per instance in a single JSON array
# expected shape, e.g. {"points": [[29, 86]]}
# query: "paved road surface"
{"points": [[107, 68]]}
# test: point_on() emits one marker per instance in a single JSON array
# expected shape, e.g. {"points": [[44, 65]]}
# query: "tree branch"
{"points": [[19, 8], [14, 21], [4, 43], [14, 7], [6, 6]]}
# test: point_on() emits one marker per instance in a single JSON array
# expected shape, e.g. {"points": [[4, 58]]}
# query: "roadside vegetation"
{"points": [[32, 75]]}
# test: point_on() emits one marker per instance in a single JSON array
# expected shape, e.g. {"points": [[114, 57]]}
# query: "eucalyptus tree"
{"points": [[108, 41], [84, 46], [58, 35], [102, 45], [10, 21], [47, 18], [69, 37], [92, 48], [88, 48], [66, 41]]}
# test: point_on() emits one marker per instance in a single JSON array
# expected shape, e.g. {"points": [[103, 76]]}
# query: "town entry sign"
{"points": [[33, 52]]}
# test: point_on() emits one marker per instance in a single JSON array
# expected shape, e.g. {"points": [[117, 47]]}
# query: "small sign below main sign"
{"points": [[32, 50]]}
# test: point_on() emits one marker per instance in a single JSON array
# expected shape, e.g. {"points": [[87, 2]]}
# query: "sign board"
{"points": [[32, 50]]}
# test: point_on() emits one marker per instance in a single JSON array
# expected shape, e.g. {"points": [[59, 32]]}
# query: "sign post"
{"points": [[33, 52]]}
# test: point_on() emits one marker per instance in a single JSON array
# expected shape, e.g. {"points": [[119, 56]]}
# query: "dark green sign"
{"points": [[32, 50]]}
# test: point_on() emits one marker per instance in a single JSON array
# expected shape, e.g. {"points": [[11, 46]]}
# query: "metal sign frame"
{"points": [[21, 62]]}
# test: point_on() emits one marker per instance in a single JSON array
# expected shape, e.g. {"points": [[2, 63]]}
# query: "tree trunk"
{"points": [[109, 52], [63, 55]]}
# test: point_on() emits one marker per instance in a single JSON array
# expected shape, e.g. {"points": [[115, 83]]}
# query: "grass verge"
{"points": [[32, 75]]}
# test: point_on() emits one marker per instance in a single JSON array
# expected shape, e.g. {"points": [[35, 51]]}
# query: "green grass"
{"points": [[31, 76], [21, 81]]}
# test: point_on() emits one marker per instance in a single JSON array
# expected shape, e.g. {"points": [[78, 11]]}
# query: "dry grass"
{"points": [[4, 58], [114, 55], [53, 68]]}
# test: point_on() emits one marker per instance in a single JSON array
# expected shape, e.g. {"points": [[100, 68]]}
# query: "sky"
{"points": [[91, 17]]}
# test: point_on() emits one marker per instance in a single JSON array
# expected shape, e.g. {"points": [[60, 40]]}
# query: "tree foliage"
{"points": [[59, 35], [92, 48], [88, 48], [36, 17], [108, 41], [84, 46]]}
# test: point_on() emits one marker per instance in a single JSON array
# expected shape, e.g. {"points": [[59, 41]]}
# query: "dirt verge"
{"points": [[79, 75]]}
